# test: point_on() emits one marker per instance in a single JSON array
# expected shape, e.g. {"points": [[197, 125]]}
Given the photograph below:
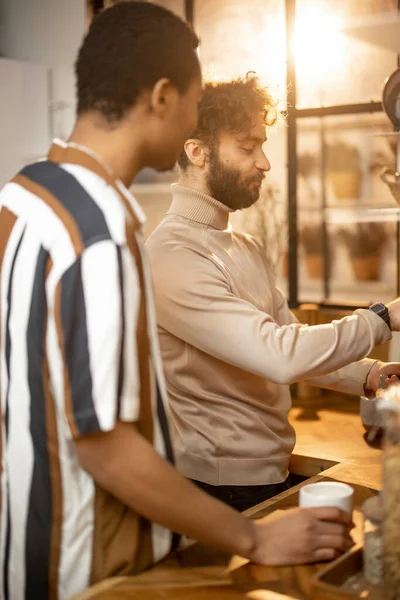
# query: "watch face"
{"points": [[382, 311], [379, 308]]}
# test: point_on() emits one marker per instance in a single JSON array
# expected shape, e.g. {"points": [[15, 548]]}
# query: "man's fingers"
{"points": [[393, 380], [332, 528], [342, 543], [390, 369], [331, 513], [325, 554]]}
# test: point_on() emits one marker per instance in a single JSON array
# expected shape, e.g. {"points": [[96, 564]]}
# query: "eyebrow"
{"points": [[252, 138]]}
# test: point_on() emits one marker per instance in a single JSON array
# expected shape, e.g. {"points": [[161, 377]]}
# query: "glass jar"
{"points": [[372, 510], [391, 495]]}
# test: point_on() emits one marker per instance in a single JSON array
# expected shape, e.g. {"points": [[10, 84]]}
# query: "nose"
{"points": [[262, 163]]}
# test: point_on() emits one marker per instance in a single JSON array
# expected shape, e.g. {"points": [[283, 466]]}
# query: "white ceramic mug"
{"points": [[328, 493]]}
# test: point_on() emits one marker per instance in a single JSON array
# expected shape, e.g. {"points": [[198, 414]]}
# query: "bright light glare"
{"points": [[318, 46]]}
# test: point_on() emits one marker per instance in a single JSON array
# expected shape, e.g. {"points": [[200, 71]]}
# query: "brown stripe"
{"points": [[55, 472], [67, 385], [56, 206], [142, 344], [144, 556], [7, 222], [116, 538], [48, 268]]}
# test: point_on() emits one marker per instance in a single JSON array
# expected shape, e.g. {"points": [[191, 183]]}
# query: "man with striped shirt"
{"points": [[88, 488]]}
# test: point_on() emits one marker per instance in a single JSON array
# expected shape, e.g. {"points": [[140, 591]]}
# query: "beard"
{"points": [[228, 186]]}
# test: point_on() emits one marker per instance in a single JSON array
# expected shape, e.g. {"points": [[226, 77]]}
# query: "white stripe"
{"points": [[54, 236], [5, 276], [105, 197], [78, 523], [20, 453], [101, 290], [130, 393], [77, 485], [161, 540]]}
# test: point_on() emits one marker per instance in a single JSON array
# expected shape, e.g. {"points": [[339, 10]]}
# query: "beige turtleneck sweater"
{"points": [[231, 347]]}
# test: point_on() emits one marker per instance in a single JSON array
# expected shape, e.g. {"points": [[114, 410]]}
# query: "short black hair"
{"points": [[128, 48], [231, 106]]}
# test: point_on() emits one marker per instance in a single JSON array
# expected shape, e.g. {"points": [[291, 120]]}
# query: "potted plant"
{"points": [[364, 242], [310, 237], [307, 164], [343, 163]]}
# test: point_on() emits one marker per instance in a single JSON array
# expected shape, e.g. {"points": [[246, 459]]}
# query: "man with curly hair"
{"points": [[230, 345]]}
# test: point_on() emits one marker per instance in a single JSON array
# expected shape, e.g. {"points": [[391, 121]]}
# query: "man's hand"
{"points": [[302, 535], [394, 314], [380, 369], [152, 488]]}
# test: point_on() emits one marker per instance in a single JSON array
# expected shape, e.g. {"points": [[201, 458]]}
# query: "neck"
{"points": [[119, 149], [193, 204], [195, 180]]}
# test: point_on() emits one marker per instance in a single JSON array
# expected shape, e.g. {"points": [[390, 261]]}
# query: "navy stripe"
{"points": [[122, 308], [76, 348], [162, 417], [38, 528], [88, 216], [168, 450], [7, 350]]}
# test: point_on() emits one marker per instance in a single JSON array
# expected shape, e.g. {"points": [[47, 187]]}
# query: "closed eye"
{"points": [[248, 150]]}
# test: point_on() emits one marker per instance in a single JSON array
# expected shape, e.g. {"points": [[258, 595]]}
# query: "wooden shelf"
{"points": [[361, 214], [348, 291]]}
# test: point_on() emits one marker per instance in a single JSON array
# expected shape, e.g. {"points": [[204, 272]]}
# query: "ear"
{"points": [[162, 97], [196, 152]]}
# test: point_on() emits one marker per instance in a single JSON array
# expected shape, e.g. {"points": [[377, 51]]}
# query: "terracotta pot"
{"points": [[366, 268], [346, 184], [315, 266]]}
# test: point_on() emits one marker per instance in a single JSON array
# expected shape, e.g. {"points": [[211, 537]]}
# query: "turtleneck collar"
{"points": [[197, 206]]}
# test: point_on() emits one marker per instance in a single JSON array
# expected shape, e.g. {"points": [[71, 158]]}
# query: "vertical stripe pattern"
{"points": [[7, 222], [79, 352], [6, 413], [40, 513]]}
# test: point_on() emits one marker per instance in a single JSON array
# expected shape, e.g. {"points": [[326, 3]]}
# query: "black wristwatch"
{"points": [[382, 311]]}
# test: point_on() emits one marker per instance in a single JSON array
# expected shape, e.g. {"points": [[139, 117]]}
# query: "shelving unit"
{"points": [[382, 30]]}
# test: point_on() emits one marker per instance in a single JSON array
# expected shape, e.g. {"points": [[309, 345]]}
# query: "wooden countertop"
{"points": [[330, 446]]}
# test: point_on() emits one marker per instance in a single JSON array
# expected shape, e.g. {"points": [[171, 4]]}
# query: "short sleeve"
{"points": [[96, 310]]}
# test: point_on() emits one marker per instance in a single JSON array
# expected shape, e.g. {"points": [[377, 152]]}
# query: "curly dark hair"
{"points": [[231, 106], [128, 48]]}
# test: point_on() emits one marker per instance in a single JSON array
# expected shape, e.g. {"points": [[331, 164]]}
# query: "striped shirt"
{"points": [[78, 353]]}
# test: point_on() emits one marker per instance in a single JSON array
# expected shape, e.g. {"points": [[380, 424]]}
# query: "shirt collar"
{"points": [[198, 206], [62, 152]]}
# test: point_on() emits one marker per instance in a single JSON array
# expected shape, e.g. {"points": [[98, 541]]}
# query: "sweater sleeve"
{"points": [[349, 379], [195, 303]]}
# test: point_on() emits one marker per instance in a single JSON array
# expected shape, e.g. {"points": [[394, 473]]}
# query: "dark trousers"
{"points": [[242, 497]]}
